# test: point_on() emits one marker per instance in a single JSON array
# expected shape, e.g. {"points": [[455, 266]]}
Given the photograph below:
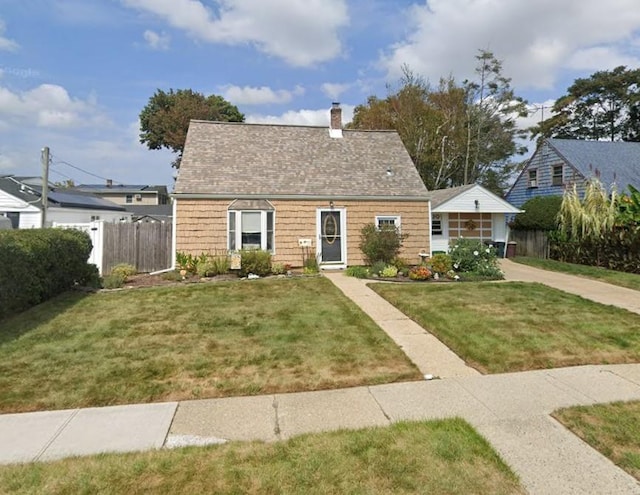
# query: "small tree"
{"points": [[380, 244]]}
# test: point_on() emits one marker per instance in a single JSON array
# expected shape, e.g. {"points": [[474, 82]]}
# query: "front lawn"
{"points": [[517, 326], [622, 279], [437, 457], [612, 429], [195, 341]]}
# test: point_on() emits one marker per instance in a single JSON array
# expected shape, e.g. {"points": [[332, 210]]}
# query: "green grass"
{"points": [[612, 429], [194, 341], [516, 326], [437, 457], [622, 279]]}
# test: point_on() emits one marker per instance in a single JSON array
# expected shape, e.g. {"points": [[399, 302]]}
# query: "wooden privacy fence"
{"points": [[534, 243], [147, 246]]}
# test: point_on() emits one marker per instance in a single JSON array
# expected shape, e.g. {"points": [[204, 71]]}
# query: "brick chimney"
{"points": [[335, 126]]}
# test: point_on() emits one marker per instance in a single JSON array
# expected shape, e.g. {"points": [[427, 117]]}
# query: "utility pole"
{"points": [[45, 184]]}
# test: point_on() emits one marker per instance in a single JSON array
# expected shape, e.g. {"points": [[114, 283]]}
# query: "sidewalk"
{"points": [[510, 410]]}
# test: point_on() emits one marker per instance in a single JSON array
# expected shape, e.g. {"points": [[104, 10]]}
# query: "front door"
{"points": [[331, 241]]}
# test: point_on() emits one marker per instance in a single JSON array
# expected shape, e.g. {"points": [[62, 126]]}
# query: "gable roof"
{"points": [[236, 160], [613, 161], [26, 190], [462, 199]]}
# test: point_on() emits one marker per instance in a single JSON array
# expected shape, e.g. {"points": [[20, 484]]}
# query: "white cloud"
{"points": [[248, 95], [534, 39], [157, 41], [5, 43], [601, 58], [302, 32], [334, 90], [302, 117], [50, 106]]}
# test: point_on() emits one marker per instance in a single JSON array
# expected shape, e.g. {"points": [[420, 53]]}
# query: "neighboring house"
{"points": [[126, 194], [21, 203], [151, 213], [471, 212], [560, 163], [290, 189]]}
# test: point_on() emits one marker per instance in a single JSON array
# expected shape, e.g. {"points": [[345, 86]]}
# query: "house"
{"points": [[127, 194], [151, 213], [21, 203], [560, 163], [290, 189], [470, 211]]}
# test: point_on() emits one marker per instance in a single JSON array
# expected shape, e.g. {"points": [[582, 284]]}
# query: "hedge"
{"points": [[38, 264], [540, 213]]}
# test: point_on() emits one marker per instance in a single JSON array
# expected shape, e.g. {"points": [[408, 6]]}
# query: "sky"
{"points": [[75, 74]]}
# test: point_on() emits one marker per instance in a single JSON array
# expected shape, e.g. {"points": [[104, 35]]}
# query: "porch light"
{"points": [[477, 203], [331, 204]]}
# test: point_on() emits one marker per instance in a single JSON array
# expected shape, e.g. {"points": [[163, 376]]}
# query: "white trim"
{"points": [[343, 239], [174, 233], [263, 229], [397, 220]]}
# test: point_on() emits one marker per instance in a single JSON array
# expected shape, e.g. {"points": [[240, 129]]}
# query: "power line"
{"points": [[85, 171]]}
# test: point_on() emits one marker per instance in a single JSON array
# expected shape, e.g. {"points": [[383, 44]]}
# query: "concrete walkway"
{"points": [[510, 410], [430, 355], [588, 288]]}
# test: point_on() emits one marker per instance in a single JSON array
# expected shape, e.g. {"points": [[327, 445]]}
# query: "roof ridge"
{"points": [[269, 124]]}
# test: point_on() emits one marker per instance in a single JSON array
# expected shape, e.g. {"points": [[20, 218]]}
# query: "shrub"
{"points": [[381, 244], [540, 213], [357, 271], [125, 269], [419, 273], [311, 266], [90, 277], [377, 268], [37, 264], [255, 261], [114, 280], [208, 265], [441, 263], [186, 262], [389, 271], [467, 255], [278, 269]]}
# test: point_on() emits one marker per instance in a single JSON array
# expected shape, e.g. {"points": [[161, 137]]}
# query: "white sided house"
{"points": [[21, 203], [470, 211]]}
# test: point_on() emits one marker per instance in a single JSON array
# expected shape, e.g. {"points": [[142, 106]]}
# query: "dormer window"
{"points": [[557, 178], [533, 178]]}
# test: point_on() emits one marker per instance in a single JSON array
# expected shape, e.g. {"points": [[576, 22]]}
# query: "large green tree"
{"points": [[164, 121], [455, 134], [605, 105]]}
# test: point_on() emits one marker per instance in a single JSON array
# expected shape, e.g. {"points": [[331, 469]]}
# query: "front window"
{"points": [[533, 178], [557, 175], [388, 221], [251, 230]]}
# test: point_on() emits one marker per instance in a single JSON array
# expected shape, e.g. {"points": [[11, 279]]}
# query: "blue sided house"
{"points": [[558, 164]]}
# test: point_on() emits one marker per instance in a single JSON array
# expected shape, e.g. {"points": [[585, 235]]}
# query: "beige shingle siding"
{"points": [[232, 159], [202, 224]]}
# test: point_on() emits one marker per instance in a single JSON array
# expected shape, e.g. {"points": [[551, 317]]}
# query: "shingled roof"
{"points": [[612, 161], [236, 160]]}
